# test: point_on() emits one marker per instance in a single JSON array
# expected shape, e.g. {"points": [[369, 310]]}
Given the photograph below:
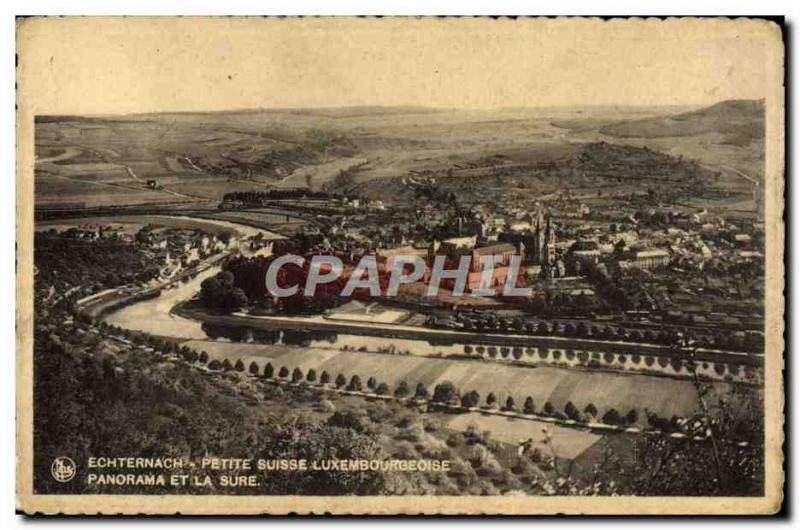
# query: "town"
{"points": [[650, 269]]}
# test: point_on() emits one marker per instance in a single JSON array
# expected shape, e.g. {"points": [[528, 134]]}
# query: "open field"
{"points": [[61, 191], [202, 156], [566, 442], [213, 188], [663, 396], [132, 223]]}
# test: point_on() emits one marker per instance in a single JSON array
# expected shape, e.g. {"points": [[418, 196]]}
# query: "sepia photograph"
{"points": [[400, 265]]}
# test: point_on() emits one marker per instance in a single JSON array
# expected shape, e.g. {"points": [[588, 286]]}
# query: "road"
{"points": [[69, 152], [742, 174]]}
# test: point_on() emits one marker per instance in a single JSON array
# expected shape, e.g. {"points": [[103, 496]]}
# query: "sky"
{"points": [[116, 66]]}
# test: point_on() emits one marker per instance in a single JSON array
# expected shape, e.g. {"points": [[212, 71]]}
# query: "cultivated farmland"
{"points": [[623, 392]]}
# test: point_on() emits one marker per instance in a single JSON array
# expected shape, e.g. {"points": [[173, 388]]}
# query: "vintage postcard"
{"points": [[400, 266]]}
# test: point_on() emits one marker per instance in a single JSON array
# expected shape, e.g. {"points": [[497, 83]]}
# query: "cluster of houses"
{"points": [[178, 248], [171, 248], [553, 243]]}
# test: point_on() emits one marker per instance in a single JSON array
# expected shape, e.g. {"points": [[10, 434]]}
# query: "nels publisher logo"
{"points": [[63, 469]]}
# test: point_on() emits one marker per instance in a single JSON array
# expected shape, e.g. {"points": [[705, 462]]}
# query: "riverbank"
{"points": [[559, 351], [96, 307]]}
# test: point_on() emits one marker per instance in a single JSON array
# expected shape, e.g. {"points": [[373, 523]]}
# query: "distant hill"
{"points": [[739, 121], [327, 112], [583, 166]]}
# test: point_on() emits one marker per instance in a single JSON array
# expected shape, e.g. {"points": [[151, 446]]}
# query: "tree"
{"points": [[538, 305], [471, 399], [612, 417], [311, 376], [225, 278], [226, 365], [591, 410], [491, 399], [253, 368], [239, 366], [549, 409], [203, 357], [402, 390], [668, 466], [445, 392], [283, 372], [269, 371], [215, 365], [421, 392], [325, 378], [632, 416], [528, 407], [571, 411], [235, 300], [218, 293], [297, 375], [382, 389], [346, 419], [340, 381], [371, 383], [355, 383], [510, 403], [209, 290]]}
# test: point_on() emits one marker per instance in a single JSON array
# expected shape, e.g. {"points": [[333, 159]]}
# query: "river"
{"points": [[153, 315]]}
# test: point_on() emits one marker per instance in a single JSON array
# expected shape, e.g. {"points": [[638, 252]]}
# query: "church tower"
{"points": [[549, 250], [537, 242]]}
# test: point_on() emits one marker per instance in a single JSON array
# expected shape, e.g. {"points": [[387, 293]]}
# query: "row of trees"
{"points": [[592, 360], [444, 392], [516, 352], [505, 352], [254, 197], [490, 322]]}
